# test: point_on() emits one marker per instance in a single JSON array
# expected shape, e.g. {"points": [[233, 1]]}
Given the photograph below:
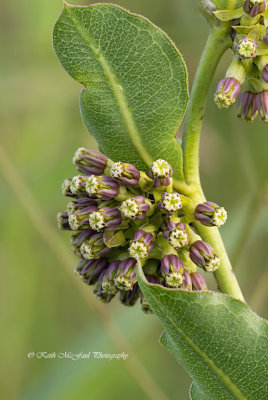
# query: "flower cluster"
{"points": [[247, 75], [120, 217]]}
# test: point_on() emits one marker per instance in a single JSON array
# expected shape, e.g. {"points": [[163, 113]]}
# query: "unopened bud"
{"points": [[126, 275], [172, 270], [106, 218], [125, 173], [135, 207], [171, 202], [262, 105], [90, 271], [94, 248], [63, 223], [227, 91], [79, 204], [78, 238], [199, 282], [176, 234], [108, 284], [246, 48], [90, 162], [161, 172], [66, 188], [78, 185], [130, 297], [203, 255], [141, 245], [102, 187], [247, 107], [187, 281], [210, 214], [80, 219], [254, 7]]}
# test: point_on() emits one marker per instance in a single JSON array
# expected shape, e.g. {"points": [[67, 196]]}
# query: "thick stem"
{"points": [[217, 43]]}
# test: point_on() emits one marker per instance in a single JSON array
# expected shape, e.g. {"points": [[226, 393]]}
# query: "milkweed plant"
{"points": [[140, 225]]}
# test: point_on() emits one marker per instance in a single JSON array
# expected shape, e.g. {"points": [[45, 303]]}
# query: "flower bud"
{"points": [[187, 281], [130, 297], [172, 270], [80, 218], [94, 248], [254, 7], [199, 282], [210, 214], [262, 105], [63, 223], [78, 185], [90, 162], [265, 37], [161, 172], [106, 218], [171, 202], [66, 188], [100, 293], [141, 245], [265, 73], [135, 207], [203, 255], [103, 187], [90, 271], [247, 107], [125, 173], [79, 204], [126, 274], [108, 285], [246, 48], [78, 238], [226, 93], [176, 234]]}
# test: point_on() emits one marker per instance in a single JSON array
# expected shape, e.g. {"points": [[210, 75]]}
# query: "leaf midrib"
{"points": [[118, 93], [231, 386]]}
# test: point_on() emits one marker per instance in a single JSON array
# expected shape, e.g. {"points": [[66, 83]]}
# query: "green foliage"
{"points": [[217, 339], [135, 80], [226, 4]]}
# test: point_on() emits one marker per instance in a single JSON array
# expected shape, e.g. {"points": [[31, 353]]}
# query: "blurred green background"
{"points": [[44, 307]]}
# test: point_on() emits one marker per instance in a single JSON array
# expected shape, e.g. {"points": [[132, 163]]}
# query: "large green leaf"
{"points": [[226, 4], [135, 80], [217, 339]]}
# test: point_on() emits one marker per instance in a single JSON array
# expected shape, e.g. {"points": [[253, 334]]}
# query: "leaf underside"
{"points": [[135, 82], [219, 340]]}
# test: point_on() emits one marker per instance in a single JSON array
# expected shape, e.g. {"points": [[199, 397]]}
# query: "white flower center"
{"points": [[138, 250], [178, 238], [172, 202], [253, 2], [77, 184], [96, 221], [92, 185], [74, 222], [88, 251], [109, 287], [219, 217], [161, 168], [174, 279], [78, 153], [117, 170], [130, 208], [123, 283], [246, 48], [213, 264], [223, 99]]}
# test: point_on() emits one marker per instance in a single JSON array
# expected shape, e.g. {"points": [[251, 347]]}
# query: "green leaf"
{"points": [[219, 340], [228, 15], [136, 89], [226, 4]]}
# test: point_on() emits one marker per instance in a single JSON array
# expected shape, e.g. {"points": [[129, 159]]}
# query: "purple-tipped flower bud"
{"points": [[187, 281], [172, 270], [78, 238], [125, 173], [100, 293], [199, 282], [135, 207], [265, 37], [102, 187], [78, 185], [63, 223], [90, 271], [247, 107], [126, 274], [254, 7], [141, 245], [79, 204], [130, 297], [80, 218], [246, 48], [203, 255], [161, 172], [262, 105], [171, 202], [90, 162], [265, 73], [176, 234], [106, 218], [227, 91], [66, 188], [94, 248], [210, 214], [108, 285]]}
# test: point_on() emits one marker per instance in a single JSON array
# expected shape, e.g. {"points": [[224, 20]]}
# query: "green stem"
{"points": [[218, 42]]}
